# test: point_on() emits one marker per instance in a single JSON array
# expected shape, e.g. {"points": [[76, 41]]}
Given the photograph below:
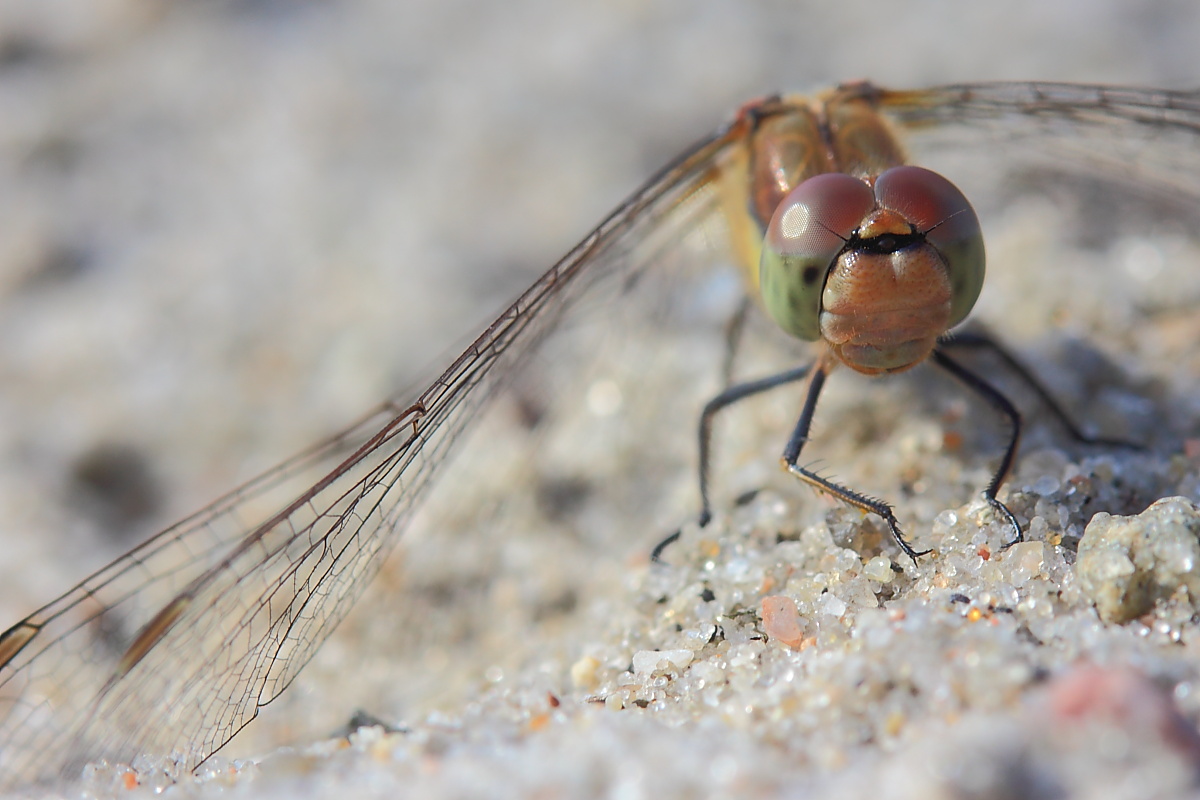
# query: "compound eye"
{"points": [[938, 210], [807, 232], [817, 217]]}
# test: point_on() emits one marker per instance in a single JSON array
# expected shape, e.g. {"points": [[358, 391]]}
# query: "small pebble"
{"points": [[584, 673], [781, 620], [648, 661], [879, 569], [1126, 564]]}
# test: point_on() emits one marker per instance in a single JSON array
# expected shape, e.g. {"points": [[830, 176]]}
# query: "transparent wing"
{"points": [[173, 648], [1142, 136]]}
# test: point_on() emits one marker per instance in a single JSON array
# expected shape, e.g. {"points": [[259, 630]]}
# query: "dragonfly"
{"points": [[176, 646]]}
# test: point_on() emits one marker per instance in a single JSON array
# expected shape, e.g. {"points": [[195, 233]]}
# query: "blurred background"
{"points": [[229, 227]]}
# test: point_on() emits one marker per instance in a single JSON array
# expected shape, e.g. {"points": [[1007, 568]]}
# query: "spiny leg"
{"points": [[726, 398], [1006, 408], [981, 341], [791, 455]]}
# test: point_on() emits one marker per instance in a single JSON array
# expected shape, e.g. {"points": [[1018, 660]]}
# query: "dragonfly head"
{"points": [[877, 270]]}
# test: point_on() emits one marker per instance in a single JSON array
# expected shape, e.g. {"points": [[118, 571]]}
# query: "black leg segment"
{"points": [[1002, 404], [791, 455], [726, 398], [979, 341]]}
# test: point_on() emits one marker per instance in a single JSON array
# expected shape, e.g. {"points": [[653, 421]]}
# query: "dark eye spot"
{"points": [[810, 275]]}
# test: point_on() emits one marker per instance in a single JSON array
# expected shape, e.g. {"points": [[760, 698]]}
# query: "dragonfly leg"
{"points": [[734, 329], [791, 455], [982, 341], [1002, 404], [726, 398]]}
